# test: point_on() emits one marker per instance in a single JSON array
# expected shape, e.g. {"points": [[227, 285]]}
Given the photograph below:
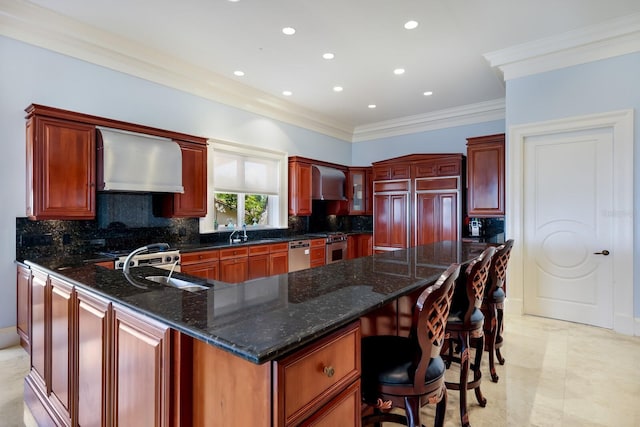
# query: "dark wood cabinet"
{"points": [[62, 349], [234, 265], [391, 214], [61, 159], [193, 202], [141, 370], [360, 191], [23, 306], [485, 176], [94, 319], [204, 264], [422, 209], [299, 188], [279, 258], [40, 326], [318, 252], [258, 261]]}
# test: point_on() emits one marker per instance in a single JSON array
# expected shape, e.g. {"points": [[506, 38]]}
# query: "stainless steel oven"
{"points": [[336, 247], [166, 260]]}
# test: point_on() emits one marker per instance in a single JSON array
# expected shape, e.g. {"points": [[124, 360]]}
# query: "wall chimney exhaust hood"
{"points": [[135, 162], [327, 183]]}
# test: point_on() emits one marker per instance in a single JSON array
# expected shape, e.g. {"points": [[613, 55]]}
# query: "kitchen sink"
{"points": [[177, 283]]}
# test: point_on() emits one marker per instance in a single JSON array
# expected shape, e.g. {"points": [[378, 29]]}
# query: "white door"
{"points": [[568, 198]]}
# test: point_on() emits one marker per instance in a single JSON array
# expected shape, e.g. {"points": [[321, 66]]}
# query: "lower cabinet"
{"points": [[258, 261], [318, 252], [94, 363], [203, 264], [278, 258], [23, 312], [234, 265]]}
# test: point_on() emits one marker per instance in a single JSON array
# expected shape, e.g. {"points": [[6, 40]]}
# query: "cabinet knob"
{"points": [[328, 371]]}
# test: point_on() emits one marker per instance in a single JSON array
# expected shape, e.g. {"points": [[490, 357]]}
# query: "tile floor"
{"points": [[556, 374]]}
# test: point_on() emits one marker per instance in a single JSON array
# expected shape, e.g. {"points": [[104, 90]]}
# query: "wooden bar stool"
{"points": [[465, 327], [408, 372], [493, 305]]}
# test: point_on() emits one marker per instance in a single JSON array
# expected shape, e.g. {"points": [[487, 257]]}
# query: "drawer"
{"points": [[343, 411], [203, 256], [316, 243], [309, 379], [259, 250], [279, 247], [234, 252]]}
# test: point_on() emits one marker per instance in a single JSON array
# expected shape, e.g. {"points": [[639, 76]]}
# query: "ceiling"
{"points": [[443, 55]]}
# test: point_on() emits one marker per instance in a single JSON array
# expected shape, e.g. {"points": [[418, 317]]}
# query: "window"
{"points": [[246, 185]]}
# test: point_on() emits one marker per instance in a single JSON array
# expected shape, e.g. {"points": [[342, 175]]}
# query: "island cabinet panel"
{"points": [[310, 379], [94, 361], [299, 188], [485, 176], [227, 390], [203, 264], [279, 258], [234, 265], [141, 370], [23, 306], [40, 327], [318, 252], [62, 350], [61, 158]]}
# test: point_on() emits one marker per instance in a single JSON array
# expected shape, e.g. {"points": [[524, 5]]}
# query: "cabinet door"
{"points": [[193, 202], [318, 252], [60, 169], [62, 351], [141, 370], [485, 176], [94, 361], [258, 266], [356, 191], [40, 362], [344, 410], [23, 313], [299, 188], [234, 270], [278, 263], [205, 270], [436, 217], [391, 217]]}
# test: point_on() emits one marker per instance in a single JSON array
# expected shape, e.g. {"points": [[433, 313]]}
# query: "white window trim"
{"points": [[207, 222]]}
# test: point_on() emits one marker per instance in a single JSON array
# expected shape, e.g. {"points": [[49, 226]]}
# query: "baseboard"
{"points": [[9, 337]]}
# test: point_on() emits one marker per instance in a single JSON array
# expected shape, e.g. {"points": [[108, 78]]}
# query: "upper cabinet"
{"points": [[360, 190], [485, 176], [61, 166], [193, 202], [61, 163], [299, 187]]}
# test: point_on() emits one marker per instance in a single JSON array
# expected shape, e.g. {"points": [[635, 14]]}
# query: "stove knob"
{"points": [[168, 259], [132, 264], [176, 258], [120, 264]]}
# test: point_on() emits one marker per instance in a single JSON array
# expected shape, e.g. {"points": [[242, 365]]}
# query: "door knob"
{"points": [[604, 252]]}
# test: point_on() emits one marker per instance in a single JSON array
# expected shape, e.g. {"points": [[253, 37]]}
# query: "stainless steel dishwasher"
{"points": [[299, 255]]}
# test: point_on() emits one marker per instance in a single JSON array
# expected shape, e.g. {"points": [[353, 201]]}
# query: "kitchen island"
{"points": [[280, 350]]}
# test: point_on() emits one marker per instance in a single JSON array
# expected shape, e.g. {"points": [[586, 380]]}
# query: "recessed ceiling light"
{"points": [[234, 1], [410, 25], [238, 73], [328, 55], [337, 88], [428, 93], [289, 31], [398, 71], [372, 106], [287, 93]]}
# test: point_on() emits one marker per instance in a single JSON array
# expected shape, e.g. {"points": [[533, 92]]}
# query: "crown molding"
{"points": [[41, 27], [608, 39], [450, 117]]}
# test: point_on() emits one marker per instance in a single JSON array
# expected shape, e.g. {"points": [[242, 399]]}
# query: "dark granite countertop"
{"points": [[263, 319]]}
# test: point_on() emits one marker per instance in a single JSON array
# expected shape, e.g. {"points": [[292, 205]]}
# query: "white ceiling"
{"points": [[444, 54]]}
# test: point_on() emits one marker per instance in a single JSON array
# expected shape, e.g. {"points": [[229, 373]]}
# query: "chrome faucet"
{"points": [[231, 236], [244, 236], [159, 246]]}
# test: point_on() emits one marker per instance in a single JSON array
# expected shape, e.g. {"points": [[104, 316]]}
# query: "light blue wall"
{"points": [[601, 86], [449, 140], [32, 75]]}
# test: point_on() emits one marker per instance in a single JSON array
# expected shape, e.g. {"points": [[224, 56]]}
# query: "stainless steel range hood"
{"points": [[327, 183], [129, 161]]}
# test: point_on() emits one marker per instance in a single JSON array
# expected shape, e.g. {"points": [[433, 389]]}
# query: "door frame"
{"points": [[621, 124]]}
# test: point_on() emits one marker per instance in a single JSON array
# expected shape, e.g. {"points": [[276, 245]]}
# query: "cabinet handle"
{"points": [[328, 371]]}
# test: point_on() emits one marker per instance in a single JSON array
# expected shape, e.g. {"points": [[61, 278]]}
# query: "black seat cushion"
{"points": [[457, 317], [387, 360]]}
